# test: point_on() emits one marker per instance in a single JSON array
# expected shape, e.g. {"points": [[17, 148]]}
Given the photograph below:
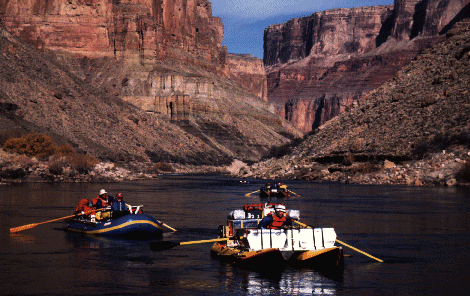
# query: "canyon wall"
{"points": [[164, 57], [144, 29], [137, 31], [317, 66]]}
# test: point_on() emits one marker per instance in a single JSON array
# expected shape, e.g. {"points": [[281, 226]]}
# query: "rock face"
{"points": [[317, 66], [144, 29], [135, 79], [137, 31], [412, 130], [249, 73]]}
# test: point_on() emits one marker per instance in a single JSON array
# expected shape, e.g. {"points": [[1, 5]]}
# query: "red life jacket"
{"points": [[277, 222], [104, 203]]}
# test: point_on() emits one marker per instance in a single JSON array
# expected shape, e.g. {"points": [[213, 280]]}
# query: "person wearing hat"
{"points": [[119, 206], [102, 201], [276, 221]]}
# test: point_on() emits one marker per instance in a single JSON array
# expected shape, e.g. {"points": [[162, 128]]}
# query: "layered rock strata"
{"points": [[317, 66], [137, 31], [412, 130], [164, 57]]}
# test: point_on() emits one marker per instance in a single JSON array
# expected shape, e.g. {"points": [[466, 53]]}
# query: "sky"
{"points": [[245, 20]]}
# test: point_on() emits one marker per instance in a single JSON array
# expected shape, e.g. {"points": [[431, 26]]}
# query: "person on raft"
{"points": [[103, 200], [119, 206], [276, 221]]}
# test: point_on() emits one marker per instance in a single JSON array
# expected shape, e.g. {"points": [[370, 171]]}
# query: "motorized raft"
{"points": [[132, 224], [274, 190], [271, 249]]}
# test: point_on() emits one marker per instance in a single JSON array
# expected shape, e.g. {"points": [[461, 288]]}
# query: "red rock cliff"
{"points": [[146, 29], [138, 31], [317, 66]]}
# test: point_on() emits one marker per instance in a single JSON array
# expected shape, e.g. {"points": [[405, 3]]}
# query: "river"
{"points": [[422, 234]]}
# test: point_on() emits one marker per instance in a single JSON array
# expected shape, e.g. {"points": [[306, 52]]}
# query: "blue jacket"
{"points": [[119, 206]]}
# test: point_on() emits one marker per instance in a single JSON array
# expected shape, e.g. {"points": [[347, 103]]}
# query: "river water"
{"points": [[421, 233]]}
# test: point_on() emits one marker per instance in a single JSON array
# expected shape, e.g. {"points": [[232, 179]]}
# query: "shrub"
{"points": [[82, 163], [65, 150], [56, 165], [5, 135], [33, 145], [463, 174], [162, 167], [348, 159]]}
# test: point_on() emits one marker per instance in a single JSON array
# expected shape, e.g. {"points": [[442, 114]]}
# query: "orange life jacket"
{"points": [[277, 222], [104, 203]]}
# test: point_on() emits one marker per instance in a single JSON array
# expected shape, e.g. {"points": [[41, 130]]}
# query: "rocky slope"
{"points": [[412, 130], [134, 80], [317, 66]]}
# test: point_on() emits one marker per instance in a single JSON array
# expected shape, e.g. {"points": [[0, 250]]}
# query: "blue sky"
{"points": [[245, 20]]}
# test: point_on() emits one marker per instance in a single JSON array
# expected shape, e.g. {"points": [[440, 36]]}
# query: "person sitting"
{"points": [[276, 221], [102, 201], [119, 206], [84, 207]]}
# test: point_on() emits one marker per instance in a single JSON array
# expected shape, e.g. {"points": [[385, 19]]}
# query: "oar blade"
{"points": [[21, 228], [162, 245]]}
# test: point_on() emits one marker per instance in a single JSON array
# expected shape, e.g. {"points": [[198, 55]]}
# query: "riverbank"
{"points": [[446, 168]]}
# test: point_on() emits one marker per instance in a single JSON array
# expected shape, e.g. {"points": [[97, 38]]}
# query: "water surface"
{"points": [[420, 233]]}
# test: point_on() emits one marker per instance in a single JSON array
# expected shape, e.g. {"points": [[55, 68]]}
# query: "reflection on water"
{"points": [[420, 233], [290, 282]]}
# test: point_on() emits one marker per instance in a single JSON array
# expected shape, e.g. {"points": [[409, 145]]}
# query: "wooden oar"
{"points": [[293, 192], [166, 245], [248, 194], [29, 226], [167, 226], [357, 250], [344, 244]]}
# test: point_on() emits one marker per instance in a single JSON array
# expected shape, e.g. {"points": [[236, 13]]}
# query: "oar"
{"points": [[293, 192], [167, 226], [29, 226], [166, 245], [248, 194], [344, 244], [357, 250]]}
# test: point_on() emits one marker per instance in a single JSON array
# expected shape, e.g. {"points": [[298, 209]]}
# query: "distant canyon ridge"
{"points": [[318, 66]]}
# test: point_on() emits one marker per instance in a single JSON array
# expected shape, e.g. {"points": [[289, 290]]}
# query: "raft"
{"points": [[273, 249], [274, 190], [130, 225]]}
